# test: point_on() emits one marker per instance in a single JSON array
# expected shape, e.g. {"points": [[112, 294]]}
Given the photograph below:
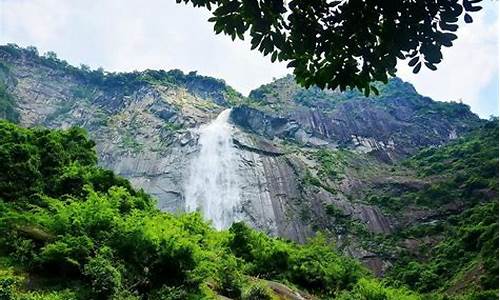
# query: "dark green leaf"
{"points": [[417, 68], [430, 66], [467, 18], [413, 61]]}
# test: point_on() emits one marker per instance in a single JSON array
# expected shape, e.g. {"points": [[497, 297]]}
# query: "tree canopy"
{"points": [[72, 230], [343, 44]]}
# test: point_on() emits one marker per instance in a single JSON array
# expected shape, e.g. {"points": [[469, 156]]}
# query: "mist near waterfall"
{"points": [[213, 185]]}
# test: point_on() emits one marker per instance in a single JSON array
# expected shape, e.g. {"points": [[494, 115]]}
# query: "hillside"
{"points": [[397, 181], [392, 125], [77, 231]]}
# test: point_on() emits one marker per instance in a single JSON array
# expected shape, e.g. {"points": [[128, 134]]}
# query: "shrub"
{"points": [[257, 291], [369, 289], [105, 279], [65, 256], [8, 284], [169, 293]]}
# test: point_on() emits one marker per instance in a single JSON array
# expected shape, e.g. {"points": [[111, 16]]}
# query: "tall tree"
{"points": [[344, 43]]}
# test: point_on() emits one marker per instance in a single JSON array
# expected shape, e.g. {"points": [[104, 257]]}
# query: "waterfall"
{"points": [[212, 185]]}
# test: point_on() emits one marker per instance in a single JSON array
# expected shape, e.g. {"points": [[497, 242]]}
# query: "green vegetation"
{"points": [[332, 163], [343, 44], [172, 127], [126, 83], [129, 142], [460, 252], [7, 104], [343, 223], [456, 251], [330, 169], [82, 93], [468, 253], [464, 171], [71, 230], [284, 95], [257, 292], [476, 153], [318, 98]]}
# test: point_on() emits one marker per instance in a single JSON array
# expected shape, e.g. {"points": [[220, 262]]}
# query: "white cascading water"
{"points": [[213, 186]]}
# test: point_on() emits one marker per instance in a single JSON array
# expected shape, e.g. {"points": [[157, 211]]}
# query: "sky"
{"points": [[127, 35]]}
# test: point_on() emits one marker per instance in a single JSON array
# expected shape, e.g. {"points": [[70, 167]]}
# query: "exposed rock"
{"points": [[270, 189], [143, 124], [374, 131], [376, 264], [391, 126], [284, 292]]}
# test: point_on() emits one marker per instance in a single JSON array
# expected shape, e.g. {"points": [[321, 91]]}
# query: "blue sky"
{"points": [[126, 35]]}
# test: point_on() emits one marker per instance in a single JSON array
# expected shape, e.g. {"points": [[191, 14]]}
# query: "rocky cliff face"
{"points": [[304, 154], [141, 126], [392, 125]]}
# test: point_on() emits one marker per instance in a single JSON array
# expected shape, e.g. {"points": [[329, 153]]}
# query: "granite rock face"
{"points": [[391, 126], [144, 127]]}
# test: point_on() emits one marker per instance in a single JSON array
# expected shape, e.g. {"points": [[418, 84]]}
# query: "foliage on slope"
{"points": [[465, 258], [462, 250], [471, 163], [452, 248], [7, 105], [125, 82], [284, 93], [71, 230], [464, 172]]}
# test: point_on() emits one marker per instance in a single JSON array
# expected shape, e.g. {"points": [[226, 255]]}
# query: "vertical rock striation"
{"points": [[263, 169]]}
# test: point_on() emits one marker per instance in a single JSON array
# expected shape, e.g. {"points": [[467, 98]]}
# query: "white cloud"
{"points": [[468, 67], [131, 35], [125, 35]]}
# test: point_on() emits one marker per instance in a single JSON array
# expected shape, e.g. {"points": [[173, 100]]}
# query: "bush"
{"points": [[32, 160], [481, 295], [230, 279], [105, 279], [65, 256], [8, 284], [169, 293], [314, 266], [257, 291], [369, 289], [50, 295]]}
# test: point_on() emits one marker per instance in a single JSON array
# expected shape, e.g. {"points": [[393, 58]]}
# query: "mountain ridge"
{"points": [[333, 145]]}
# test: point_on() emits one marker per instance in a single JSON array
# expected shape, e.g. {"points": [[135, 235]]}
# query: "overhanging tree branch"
{"points": [[343, 44]]}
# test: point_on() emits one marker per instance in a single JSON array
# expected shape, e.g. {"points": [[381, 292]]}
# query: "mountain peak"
{"points": [[202, 86]]}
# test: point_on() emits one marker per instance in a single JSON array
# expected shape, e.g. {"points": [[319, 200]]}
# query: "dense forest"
{"points": [[462, 245], [75, 230], [72, 230]]}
